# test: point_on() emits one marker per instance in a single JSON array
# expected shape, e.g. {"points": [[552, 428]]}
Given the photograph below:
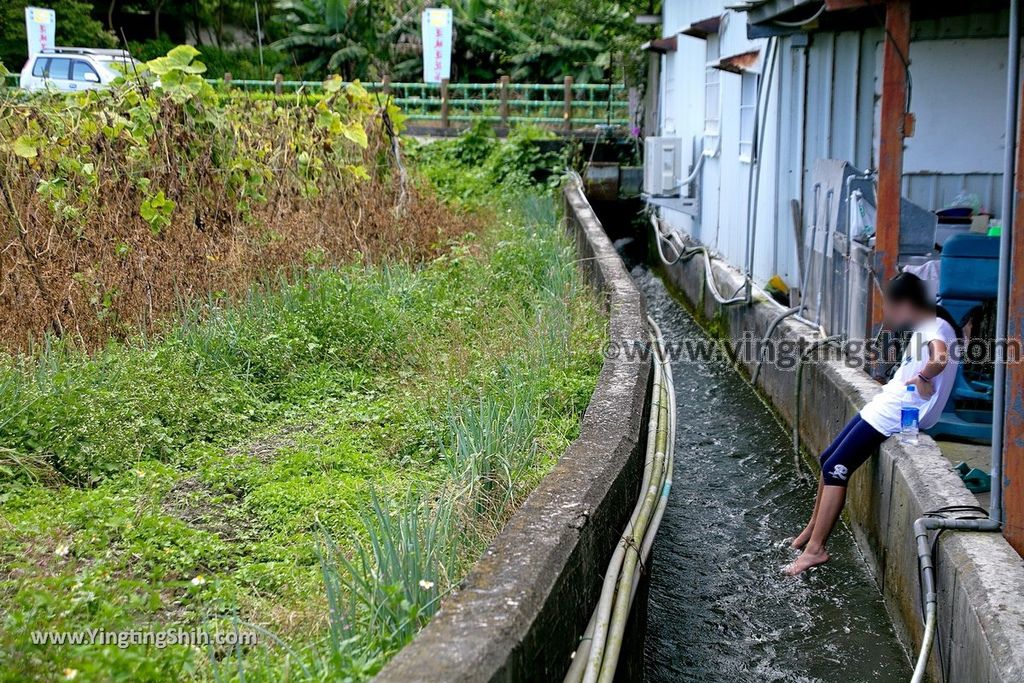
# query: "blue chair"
{"points": [[968, 278]]}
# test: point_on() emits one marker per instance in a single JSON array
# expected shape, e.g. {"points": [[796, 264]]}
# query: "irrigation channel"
{"points": [[720, 610]]}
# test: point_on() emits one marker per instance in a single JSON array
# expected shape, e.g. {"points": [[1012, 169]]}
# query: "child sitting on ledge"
{"points": [[927, 365]]}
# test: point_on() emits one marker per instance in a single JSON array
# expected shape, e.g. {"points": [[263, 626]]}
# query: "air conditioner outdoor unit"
{"points": [[662, 165]]}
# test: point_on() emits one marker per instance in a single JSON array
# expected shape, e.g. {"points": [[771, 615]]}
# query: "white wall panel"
{"points": [[822, 105]]}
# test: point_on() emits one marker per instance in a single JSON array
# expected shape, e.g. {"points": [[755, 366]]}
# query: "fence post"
{"points": [[503, 105], [227, 79], [444, 103], [278, 84], [385, 84], [634, 109], [567, 104]]}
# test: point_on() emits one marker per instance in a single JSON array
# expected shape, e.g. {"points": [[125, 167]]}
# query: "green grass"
{"points": [[319, 462], [476, 167]]}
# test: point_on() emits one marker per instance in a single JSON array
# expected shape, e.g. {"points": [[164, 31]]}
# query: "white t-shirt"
{"points": [[883, 411], [930, 272]]}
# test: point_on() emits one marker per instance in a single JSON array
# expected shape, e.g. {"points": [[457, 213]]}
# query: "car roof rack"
{"points": [[96, 51]]}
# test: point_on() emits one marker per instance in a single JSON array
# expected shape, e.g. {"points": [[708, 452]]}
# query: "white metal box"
{"points": [[662, 166]]}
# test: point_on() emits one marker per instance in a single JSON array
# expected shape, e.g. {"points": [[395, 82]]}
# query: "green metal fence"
{"points": [[564, 104], [560, 104]]}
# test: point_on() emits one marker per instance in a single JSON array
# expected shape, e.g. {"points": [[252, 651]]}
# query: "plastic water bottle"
{"points": [[908, 416]]}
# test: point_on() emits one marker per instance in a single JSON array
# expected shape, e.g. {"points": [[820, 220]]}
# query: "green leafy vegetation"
{"points": [[539, 41], [330, 36], [317, 462], [467, 168], [240, 62], [529, 41], [76, 25]]}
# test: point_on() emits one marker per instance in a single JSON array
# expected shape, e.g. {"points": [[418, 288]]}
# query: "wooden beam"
{"points": [[1013, 426], [892, 131]]}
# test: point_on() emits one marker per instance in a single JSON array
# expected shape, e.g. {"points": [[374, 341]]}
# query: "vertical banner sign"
{"points": [[437, 44], [40, 27]]}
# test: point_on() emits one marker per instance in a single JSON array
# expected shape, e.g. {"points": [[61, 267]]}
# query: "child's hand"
{"points": [[924, 389]]}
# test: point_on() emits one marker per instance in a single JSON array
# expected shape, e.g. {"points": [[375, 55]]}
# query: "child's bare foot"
{"points": [[808, 558], [800, 541]]}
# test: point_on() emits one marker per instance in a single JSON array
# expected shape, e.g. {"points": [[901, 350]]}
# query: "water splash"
{"points": [[719, 608]]}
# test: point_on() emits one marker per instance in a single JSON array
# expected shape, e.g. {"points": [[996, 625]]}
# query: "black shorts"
{"points": [[854, 445]]}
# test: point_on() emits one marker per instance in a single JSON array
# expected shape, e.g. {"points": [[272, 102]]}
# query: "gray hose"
{"points": [[924, 558], [767, 337], [754, 178], [834, 339], [802, 22], [684, 253]]}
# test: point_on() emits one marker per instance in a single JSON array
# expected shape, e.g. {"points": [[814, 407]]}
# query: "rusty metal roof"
{"points": [[703, 28], [739, 63]]}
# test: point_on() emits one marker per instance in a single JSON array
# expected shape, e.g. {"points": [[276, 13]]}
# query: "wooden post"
{"points": [[227, 79], [634, 112], [895, 122], [278, 84], [1013, 425], [385, 84], [503, 104], [444, 103], [567, 104]]}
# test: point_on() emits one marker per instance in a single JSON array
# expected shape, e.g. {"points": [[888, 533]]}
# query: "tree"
{"points": [[531, 40], [75, 27], [329, 36]]}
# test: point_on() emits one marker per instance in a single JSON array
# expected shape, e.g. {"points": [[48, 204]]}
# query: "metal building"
{"points": [[816, 140]]}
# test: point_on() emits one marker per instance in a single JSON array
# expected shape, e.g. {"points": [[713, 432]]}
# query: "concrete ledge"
{"points": [[980, 577], [519, 613]]}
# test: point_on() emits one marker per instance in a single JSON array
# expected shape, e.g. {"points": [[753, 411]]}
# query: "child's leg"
{"points": [[860, 442], [801, 540], [829, 508]]}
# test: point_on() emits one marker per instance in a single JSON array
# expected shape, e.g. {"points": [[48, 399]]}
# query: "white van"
{"points": [[70, 69]]}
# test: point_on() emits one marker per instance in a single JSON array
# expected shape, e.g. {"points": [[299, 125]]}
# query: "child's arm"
{"points": [[938, 357]]}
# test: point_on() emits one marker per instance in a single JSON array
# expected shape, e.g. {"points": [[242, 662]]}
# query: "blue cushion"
{"points": [[970, 269], [971, 246]]}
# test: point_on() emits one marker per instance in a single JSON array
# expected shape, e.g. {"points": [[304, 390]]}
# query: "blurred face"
{"points": [[899, 314]]}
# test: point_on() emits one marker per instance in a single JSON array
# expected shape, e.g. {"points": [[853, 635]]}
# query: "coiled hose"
{"points": [[596, 659]]}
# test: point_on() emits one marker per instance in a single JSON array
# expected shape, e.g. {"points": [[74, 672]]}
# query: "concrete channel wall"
{"points": [[520, 612], [980, 577]]}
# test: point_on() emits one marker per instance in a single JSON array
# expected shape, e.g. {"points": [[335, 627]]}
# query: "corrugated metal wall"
{"points": [[822, 106]]}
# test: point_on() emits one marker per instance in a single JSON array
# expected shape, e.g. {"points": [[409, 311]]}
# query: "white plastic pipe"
{"points": [[926, 644]]}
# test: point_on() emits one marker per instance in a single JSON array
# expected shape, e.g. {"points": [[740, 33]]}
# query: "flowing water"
{"points": [[719, 608]]}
